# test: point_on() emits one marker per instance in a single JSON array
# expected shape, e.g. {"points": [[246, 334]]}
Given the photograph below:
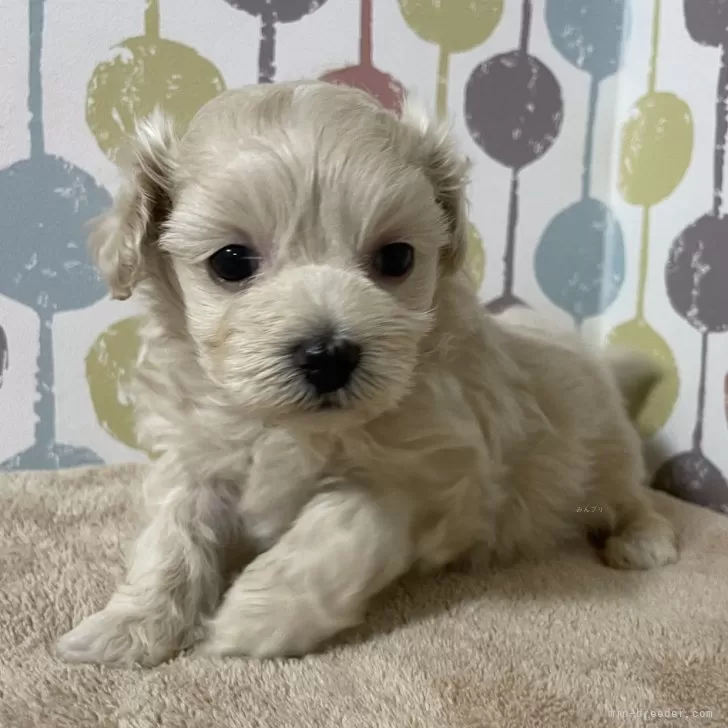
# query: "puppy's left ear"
{"points": [[447, 171]]}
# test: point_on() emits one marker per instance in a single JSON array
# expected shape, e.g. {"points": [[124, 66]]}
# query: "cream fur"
{"points": [[461, 434]]}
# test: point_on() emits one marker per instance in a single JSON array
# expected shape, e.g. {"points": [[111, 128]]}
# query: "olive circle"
{"points": [[656, 147], [455, 25], [110, 364], [141, 76], [638, 336]]}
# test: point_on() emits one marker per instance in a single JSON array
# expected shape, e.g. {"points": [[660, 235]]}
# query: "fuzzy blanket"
{"points": [[565, 642]]}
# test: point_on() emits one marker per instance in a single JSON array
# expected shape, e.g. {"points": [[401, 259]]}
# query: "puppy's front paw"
{"points": [[249, 625], [644, 544], [116, 638], [270, 621]]}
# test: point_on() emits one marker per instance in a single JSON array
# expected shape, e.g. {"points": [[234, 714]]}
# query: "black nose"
{"points": [[327, 362]]}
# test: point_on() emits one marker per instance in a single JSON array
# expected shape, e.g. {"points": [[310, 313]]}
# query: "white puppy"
{"points": [[330, 404]]}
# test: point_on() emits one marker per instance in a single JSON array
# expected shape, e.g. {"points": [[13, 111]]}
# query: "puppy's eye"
{"points": [[234, 263], [394, 260]]}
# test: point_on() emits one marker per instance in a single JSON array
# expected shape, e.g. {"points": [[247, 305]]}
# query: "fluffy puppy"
{"points": [[330, 405]]}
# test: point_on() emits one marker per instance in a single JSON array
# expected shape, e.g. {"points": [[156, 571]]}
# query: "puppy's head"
{"points": [[304, 232]]}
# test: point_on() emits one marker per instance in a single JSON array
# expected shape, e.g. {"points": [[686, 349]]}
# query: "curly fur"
{"points": [[460, 434]]}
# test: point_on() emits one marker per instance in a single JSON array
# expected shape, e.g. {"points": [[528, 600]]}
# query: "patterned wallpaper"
{"points": [[597, 130]]}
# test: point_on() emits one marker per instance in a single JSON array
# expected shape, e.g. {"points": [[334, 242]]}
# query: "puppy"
{"points": [[330, 405]]}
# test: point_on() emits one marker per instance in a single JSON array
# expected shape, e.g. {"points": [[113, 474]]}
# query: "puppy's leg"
{"points": [[174, 578], [345, 546], [637, 536]]}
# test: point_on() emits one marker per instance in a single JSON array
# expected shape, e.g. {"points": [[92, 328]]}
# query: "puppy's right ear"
{"points": [[637, 376], [123, 237], [447, 171]]}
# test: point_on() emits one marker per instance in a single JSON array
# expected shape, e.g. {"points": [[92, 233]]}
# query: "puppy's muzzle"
{"points": [[327, 362]]}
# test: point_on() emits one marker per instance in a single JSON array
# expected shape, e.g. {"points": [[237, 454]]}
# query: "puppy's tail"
{"points": [[636, 375]]}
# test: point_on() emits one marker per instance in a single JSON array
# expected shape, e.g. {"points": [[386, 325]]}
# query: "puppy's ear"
{"points": [[637, 376], [447, 171], [122, 238]]}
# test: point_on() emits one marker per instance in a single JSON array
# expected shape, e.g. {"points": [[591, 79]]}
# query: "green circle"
{"points": [[144, 75], [110, 364], [656, 147], [455, 25], [637, 335]]}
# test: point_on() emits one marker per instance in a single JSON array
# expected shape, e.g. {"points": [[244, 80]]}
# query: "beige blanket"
{"points": [[567, 642]]}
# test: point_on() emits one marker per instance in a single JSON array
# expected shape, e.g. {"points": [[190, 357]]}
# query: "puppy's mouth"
{"points": [[332, 409], [314, 402], [326, 405]]}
